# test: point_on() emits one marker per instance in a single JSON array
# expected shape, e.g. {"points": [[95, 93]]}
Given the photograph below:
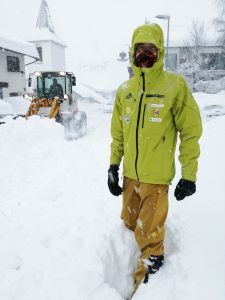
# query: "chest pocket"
{"points": [[153, 114]]}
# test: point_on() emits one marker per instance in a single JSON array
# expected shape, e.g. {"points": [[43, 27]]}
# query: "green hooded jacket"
{"points": [[149, 110]]}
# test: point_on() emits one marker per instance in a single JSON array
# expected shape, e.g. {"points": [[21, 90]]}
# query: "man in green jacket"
{"points": [[150, 109]]}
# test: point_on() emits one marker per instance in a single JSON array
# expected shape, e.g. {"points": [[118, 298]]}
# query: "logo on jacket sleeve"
{"points": [[127, 119], [128, 110], [129, 96]]}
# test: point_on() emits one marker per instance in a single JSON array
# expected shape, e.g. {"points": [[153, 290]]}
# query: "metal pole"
{"points": [[167, 47]]}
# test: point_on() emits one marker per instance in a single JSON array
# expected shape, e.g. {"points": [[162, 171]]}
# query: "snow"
{"points": [[104, 76], [60, 228], [85, 92], [5, 108], [19, 105], [210, 86], [19, 46], [208, 99]]}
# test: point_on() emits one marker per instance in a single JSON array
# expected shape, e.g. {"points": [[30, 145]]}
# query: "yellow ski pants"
{"points": [[145, 208]]}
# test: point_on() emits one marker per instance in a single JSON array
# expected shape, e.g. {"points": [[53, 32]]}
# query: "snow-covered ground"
{"points": [[61, 237], [15, 105], [5, 108]]}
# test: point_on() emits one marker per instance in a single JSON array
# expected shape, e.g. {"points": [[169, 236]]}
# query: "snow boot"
{"points": [[146, 266], [153, 263]]}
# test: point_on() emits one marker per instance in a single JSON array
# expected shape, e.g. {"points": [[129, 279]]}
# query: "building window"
{"points": [[13, 94], [4, 84], [214, 61], [13, 64], [39, 50], [172, 61]]}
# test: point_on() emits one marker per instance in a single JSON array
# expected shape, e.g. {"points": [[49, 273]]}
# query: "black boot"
{"points": [[154, 263]]}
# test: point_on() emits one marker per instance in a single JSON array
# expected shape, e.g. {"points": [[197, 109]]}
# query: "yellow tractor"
{"points": [[52, 96]]}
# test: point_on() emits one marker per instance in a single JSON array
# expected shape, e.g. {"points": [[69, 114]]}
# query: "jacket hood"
{"points": [[148, 33]]}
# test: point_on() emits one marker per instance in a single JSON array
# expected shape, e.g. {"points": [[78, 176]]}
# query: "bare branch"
{"points": [[219, 22], [196, 35], [220, 4]]}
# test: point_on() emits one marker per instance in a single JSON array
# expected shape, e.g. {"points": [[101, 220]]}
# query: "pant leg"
{"points": [[131, 202], [149, 232]]}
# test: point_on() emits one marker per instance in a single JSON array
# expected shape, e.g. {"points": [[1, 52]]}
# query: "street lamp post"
{"points": [[122, 56], [166, 17]]}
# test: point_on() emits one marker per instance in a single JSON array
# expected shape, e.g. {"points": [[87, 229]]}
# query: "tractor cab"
{"points": [[51, 93], [49, 85]]}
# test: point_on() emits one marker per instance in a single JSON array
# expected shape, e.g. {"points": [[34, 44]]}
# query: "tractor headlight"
{"points": [[62, 73], [37, 74]]}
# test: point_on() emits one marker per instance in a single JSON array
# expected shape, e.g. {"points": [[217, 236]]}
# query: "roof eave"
{"points": [[21, 53]]}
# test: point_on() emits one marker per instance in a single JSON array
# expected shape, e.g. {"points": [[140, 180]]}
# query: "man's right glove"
{"points": [[113, 180], [184, 188]]}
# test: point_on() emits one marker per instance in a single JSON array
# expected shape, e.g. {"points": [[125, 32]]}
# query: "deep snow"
{"points": [[60, 229]]}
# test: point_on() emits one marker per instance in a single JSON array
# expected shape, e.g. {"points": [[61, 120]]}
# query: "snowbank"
{"points": [[5, 108], [204, 99], [19, 105], [210, 86], [87, 93]]}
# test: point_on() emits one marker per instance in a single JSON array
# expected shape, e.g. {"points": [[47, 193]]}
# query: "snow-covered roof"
{"points": [[44, 34], [181, 43], [44, 30], [19, 47], [44, 18]]}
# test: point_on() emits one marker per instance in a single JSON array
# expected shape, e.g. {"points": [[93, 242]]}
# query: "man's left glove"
{"points": [[184, 188], [113, 180]]}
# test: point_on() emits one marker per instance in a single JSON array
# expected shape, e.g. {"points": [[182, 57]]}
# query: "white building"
{"points": [[202, 63], [211, 55], [12, 66], [50, 47]]}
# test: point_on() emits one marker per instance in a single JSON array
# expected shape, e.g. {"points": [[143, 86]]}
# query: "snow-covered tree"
{"points": [[193, 60], [219, 22]]}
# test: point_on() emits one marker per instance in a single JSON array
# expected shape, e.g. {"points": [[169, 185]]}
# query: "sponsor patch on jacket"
{"points": [[127, 119], [155, 96], [155, 112], [158, 105], [157, 120]]}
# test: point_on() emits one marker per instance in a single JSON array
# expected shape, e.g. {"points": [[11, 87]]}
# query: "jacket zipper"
{"points": [[143, 118], [138, 119]]}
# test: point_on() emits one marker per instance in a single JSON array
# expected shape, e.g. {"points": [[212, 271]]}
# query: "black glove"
{"points": [[113, 180], [184, 188]]}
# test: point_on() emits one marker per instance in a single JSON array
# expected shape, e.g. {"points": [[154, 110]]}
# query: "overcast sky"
{"points": [[97, 30]]}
